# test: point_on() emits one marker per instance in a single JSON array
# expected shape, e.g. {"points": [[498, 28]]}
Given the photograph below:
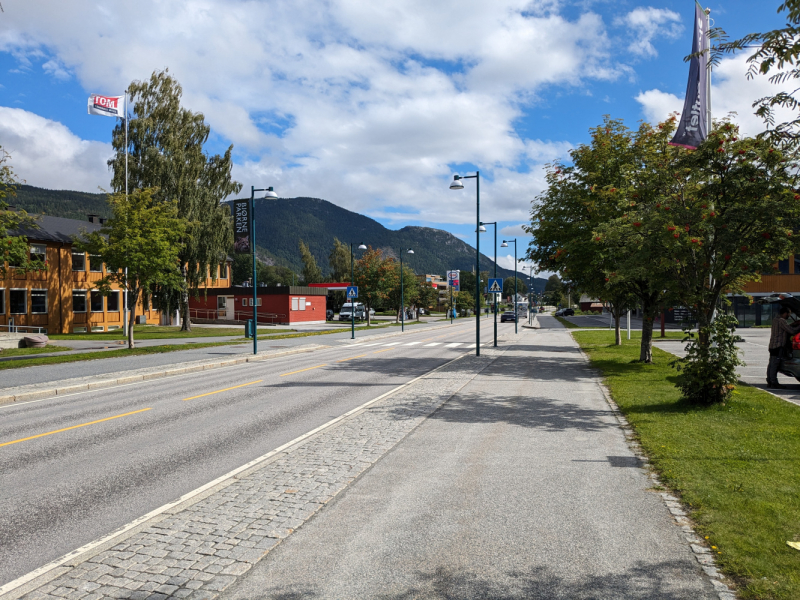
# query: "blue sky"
{"points": [[372, 106]]}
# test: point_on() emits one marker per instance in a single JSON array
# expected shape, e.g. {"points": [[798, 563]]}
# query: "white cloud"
{"points": [[362, 103], [731, 92], [515, 230], [647, 23], [45, 153]]}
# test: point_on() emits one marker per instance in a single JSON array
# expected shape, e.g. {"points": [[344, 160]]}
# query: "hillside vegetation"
{"points": [[281, 224]]}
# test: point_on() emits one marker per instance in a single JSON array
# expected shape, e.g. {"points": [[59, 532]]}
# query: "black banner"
{"points": [[692, 126], [241, 227]]}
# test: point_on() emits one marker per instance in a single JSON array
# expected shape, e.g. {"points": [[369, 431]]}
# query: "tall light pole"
{"points": [[530, 292], [402, 297], [269, 194], [505, 245], [353, 282], [457, 185], [482, 229]]}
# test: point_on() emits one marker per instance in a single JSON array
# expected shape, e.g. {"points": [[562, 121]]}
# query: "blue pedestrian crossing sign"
{"points": [[495, 285], [352, 292]]}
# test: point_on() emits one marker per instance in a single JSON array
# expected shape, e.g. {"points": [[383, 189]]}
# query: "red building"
{"points": [[276, 304]]}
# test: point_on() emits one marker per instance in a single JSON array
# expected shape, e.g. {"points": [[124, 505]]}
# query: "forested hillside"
{"points": [[281, 224]]}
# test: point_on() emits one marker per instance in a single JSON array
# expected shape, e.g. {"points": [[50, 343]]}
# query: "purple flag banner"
{"points": [[241, 227], [692, 128]]}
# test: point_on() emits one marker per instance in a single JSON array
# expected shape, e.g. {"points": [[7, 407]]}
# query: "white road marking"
{"points": [[453, 345], [413, 343], [433, 344], [392, 344]]}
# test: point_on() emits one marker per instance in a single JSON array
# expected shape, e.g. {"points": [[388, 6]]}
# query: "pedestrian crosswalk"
{"points": [[463, 345]]}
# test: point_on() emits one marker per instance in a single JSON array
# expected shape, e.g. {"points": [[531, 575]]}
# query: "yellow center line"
{"points": [[379, 351], [33, 437], [351, 358], [301, 370], [225, 390]]}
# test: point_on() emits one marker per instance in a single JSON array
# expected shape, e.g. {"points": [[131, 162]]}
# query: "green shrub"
{"points": [[707, 374]]}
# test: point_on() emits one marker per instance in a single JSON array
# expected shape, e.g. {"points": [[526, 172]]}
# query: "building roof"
{"points": [[56, 229]]}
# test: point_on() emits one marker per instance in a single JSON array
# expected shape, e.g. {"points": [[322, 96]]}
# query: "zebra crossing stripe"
{"points": [[453, 345], [433, 344]]}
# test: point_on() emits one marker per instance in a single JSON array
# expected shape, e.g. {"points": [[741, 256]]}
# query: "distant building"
{"points": [[62, 298]]}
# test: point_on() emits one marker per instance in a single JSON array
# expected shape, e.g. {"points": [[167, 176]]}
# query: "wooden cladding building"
{"points": [[62, 297]]}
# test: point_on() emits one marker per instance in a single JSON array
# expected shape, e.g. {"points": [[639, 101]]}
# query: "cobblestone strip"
{"points": [[200, 550], [698, 545]]}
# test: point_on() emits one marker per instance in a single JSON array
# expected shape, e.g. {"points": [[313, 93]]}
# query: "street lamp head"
{"points": [[504, 244], [410, 251], [362, 247], [269, 194], [481, 229], [456, 184]]}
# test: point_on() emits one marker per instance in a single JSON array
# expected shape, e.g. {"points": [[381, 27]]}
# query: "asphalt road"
{"points": [[74, 468], [57, 372]]}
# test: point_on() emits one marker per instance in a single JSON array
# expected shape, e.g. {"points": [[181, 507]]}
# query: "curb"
{"points": [[46, 573], [697, 545], [54, 389]]}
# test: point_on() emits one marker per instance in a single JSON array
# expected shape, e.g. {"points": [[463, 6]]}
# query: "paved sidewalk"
{"points": [[520, 486], [500, 476]]}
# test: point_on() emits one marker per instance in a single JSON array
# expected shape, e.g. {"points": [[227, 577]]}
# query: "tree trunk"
{"points": [[617, 333], [186, 321], [649, 310], [132, 318]]}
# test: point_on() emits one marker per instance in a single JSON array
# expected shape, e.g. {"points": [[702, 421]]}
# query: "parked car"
{"points": [[565, 312], [508, 315], [346, 314]]}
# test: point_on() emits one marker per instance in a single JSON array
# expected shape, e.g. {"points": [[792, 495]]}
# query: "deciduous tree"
{"points": [[165, 144], [311, 272], [144, 235], [14, 245]]}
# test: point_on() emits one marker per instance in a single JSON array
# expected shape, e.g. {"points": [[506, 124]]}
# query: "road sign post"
{"points": [[352, 294]]}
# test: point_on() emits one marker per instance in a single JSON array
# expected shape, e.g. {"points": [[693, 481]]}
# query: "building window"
{"points": [[39, 302], [302, 304], [112, 302], [783, 267], [38, 252], [17, 302], [2, 301], [78, 261], [96, 301], [95, 264], [79, 301], [294, 304]]}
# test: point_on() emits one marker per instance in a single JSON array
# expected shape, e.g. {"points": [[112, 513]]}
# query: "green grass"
{"points": [[157, 332], [26, 351], [737, 466]]}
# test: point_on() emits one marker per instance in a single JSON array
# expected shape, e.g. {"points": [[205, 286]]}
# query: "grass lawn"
{"points": [[737, 467], [5, 352], [157, 332]]}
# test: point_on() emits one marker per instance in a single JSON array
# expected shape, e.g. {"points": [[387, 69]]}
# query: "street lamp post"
{"points": [[269, 194], [495, 275], [402, 297], [457, 185], [353, 282], [530, 293], [505, 245]]}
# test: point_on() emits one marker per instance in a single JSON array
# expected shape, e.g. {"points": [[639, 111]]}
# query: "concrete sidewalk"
{"points": [[501, 476], [521, 486]]}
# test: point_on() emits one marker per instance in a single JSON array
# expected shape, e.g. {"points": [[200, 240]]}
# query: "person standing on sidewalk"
{"points": [[779, 339]]}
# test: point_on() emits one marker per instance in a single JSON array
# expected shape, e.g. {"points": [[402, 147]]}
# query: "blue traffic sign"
{"points": [[495, 285], [352, 291]]}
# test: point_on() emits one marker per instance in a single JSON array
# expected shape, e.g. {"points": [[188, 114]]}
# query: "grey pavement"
{"points": [[603, 321], [501, 476], [521, 486], [57, 372]]}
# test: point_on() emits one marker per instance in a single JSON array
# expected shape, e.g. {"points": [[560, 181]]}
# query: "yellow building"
{"points": [[62, 297]]}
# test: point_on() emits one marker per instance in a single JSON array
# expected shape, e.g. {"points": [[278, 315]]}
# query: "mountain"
{"points": [[282, 223]]}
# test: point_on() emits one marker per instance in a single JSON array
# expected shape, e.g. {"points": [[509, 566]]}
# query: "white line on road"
{"points": [[453, 345], [433, 344], [413, 343], [392, 344]]}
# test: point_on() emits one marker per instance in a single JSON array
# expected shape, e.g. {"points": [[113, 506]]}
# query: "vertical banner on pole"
{"points": [[693, 126], [241, 227]]}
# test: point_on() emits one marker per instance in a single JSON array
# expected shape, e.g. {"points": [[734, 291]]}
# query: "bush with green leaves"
{"points": [[707, 374]]}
